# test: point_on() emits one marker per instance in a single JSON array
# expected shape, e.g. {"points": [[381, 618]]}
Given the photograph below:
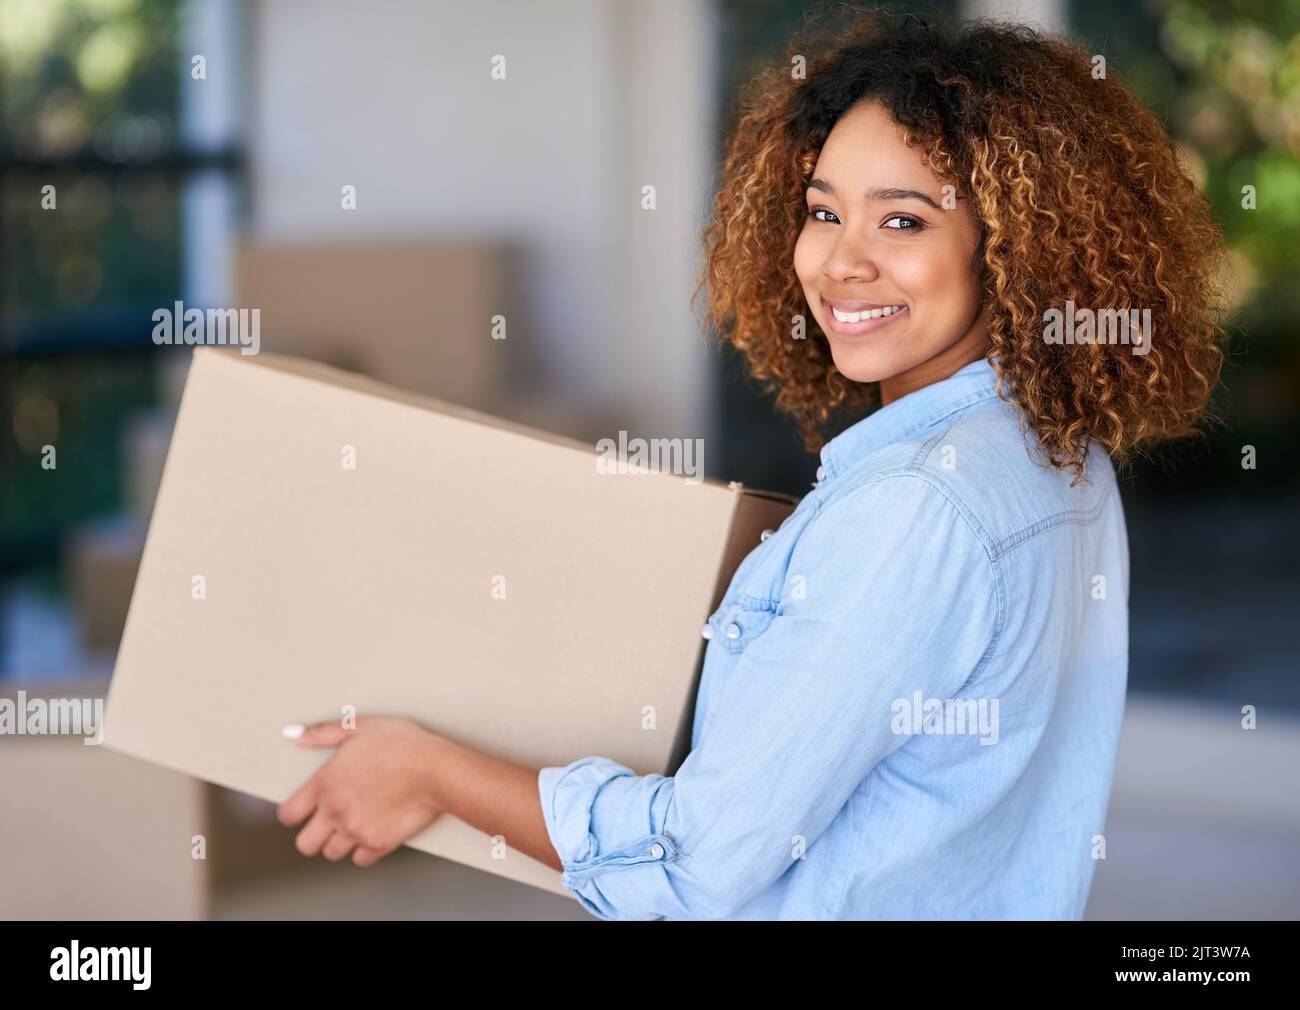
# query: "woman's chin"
{"points": [[859, 367]]}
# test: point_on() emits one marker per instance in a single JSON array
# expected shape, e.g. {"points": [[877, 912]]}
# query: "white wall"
{"points": [[1052, 15], [395, 97]]}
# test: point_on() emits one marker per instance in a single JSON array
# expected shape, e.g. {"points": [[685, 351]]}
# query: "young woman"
{"points": [[913, 690]]}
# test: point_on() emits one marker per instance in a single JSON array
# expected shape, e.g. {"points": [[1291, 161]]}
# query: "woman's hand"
{"points": [[377, 791]]}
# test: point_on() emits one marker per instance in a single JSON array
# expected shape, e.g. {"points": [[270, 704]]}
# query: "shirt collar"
{"points": [[907, 416]]}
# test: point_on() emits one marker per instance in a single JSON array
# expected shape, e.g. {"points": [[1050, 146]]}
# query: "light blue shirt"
{"points": [[911, 695]]}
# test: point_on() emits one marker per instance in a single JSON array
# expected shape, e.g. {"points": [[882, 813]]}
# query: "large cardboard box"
{"points": [[321, 540]]}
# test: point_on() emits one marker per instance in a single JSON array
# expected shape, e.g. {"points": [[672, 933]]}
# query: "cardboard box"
{"points": [[415, 315], [378, 587], [100, 561], [88, 834]]}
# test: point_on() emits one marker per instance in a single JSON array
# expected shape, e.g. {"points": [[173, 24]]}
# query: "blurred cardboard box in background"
{"points": [[417, 316], [89, 834], [100, 559], [321, 540]]}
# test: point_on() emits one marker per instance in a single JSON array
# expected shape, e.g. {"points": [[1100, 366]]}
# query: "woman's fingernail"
{"points": [[292, 731]]}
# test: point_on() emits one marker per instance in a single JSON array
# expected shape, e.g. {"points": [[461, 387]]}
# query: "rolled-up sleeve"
{"points": [[889, 591]]}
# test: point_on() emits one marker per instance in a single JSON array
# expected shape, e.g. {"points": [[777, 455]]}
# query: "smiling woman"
{"points": [[925, 195], [880, 256], [978, 175]]}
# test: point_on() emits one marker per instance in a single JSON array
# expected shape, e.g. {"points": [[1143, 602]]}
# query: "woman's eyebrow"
{"points": [[878, 194]]}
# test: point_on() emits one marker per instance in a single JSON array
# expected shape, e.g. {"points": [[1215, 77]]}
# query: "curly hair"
{"points": [[1079, 194]]}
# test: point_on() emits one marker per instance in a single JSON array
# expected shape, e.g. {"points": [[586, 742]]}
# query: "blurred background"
{"points": [[198, 150]]}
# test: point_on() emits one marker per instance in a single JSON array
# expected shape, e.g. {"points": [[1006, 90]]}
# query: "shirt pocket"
{"points": [[742, 620], [738, 622]]}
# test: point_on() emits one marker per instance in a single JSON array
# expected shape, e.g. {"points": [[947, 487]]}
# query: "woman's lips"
{"points": [[863, 326]]}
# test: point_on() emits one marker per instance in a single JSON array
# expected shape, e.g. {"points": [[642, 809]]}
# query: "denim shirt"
{"points": [[910, 701]]}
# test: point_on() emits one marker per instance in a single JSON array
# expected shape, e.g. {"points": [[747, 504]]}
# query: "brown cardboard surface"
{"points": [[88, 834], [100, 563], [414, 314], [372, 587]]}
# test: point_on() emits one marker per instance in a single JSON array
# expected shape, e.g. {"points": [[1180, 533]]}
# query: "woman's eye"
{"points": [[813, 212], [907, 223]]}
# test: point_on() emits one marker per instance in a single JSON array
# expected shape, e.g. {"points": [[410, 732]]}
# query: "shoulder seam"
{"points": [[878, 476], [972, 524]]}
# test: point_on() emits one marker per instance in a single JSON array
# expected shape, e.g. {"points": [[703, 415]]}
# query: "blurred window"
{"points": [[116, 146]]}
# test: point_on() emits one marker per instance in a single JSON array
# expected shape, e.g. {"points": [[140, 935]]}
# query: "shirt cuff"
{"points": [[568, 796], [568, 793]]}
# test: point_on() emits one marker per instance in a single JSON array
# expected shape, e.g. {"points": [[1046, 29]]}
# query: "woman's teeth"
{"points": [[857, 317]]}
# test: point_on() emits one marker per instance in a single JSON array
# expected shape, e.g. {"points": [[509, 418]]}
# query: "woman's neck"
{"points": [[971, 347]]}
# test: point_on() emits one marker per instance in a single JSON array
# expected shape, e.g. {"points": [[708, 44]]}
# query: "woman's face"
{"points": [[890, 248]]}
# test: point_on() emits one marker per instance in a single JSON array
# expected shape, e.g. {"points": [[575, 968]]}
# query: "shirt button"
{"points": [[707, 630], [765, 534], [657, 851], [821, 473], [733, 631]]}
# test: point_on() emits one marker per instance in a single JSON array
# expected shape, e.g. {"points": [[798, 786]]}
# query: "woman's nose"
{"points": [[852, 259]]}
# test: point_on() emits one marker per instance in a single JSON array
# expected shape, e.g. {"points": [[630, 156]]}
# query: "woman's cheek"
{"points": [[936, 287], [803, 259], [917, 275], [805, 271]]}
